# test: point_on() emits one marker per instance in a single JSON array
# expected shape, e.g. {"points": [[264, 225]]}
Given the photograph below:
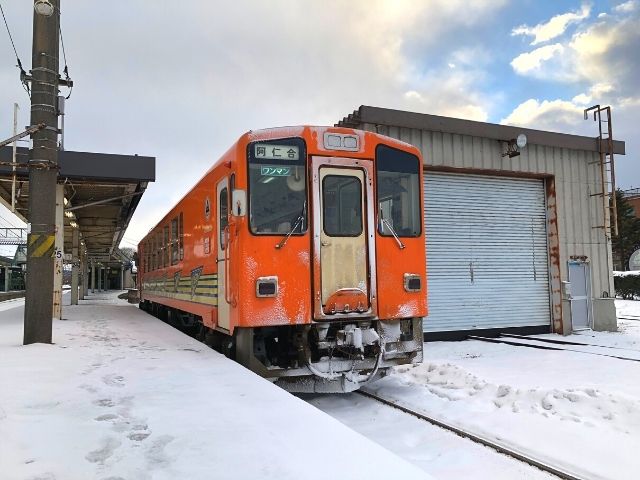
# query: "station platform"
{"points": [[122, 396]]}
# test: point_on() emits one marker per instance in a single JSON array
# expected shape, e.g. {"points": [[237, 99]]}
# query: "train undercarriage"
{"points": [[322, 357]]}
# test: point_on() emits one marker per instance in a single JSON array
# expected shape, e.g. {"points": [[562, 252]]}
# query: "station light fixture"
{"points": [[43, 7]]}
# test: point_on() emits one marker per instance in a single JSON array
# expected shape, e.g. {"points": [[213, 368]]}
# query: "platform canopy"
{"points": [[101, 190]]}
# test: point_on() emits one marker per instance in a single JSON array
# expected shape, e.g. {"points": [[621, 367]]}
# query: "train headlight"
{"points": [[266, 287], [412, 282]]}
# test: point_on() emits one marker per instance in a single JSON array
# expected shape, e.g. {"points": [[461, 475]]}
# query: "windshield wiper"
{"points": [[297, 223], [390, 227]]}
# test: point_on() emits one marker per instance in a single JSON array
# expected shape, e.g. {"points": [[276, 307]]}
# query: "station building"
{"points": [[514, 243]]}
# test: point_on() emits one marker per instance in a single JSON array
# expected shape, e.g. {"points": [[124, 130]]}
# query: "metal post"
{"points": [[43, 173], [93, 277], [99, 279], [122, 277], [75, 239], [83, 273], [59, 253], [106, 278]]}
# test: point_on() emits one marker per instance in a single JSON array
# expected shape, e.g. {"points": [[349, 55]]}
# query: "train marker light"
{"points": [[341, 141], [266, 287], [412, 282]]}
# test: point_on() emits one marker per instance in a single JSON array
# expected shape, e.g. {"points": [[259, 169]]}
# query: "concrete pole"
{"points": [[7, 278], [122, 277], [99, 279], [75, 269], [85, 275], [59, 253], [38, 310], [106, 279], [93, 277]]}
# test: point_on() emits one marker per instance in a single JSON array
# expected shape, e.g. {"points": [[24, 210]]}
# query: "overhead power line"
{"points": [[66, 68], [19, 65]]}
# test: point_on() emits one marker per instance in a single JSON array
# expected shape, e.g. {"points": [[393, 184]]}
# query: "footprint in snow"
{"points": [[105, 417], [104, 402], [138, 436], [156, 454], [114, 380], [109, 445]]}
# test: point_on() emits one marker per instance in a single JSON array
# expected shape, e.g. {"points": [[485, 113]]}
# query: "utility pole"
{"points": [[43, 172]]}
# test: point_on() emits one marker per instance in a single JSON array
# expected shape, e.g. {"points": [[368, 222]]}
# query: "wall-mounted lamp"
{"points": [[515, 145]]}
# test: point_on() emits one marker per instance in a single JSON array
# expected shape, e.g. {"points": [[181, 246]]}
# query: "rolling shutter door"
{"points": [[487, 261]]}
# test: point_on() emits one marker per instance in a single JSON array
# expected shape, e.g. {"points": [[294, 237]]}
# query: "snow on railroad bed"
{"points": [[122, 396], [438, 452], [574, 410]]}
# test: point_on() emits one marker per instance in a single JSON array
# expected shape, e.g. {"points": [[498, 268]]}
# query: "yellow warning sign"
{"points": [[41, 245]]}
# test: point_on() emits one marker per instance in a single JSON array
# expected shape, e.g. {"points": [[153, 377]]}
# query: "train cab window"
{"points": [[224, 218], [174, 241], [342, 206], [277, 187], [398, 192]]}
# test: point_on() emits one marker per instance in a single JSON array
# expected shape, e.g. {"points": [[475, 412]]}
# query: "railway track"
{"points": [[504, 449], [561, 345]]}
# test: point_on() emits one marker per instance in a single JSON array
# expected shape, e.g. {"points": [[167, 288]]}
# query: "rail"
{"points": [[554, 470]]}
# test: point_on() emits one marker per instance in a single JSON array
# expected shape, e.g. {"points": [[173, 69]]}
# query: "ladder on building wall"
{"points": [[602, 115]]}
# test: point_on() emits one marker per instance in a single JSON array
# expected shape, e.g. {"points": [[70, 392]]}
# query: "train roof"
{"points": [[307, 132]]}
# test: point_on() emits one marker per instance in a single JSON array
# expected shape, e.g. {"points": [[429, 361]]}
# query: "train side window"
{"points": [[153, 252], [165, 248], [159, 250], [174, 241], [224, 218], [181, 235]]}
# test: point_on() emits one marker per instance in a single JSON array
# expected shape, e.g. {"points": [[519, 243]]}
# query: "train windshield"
{"points": [[277, 187], [398, 188]]}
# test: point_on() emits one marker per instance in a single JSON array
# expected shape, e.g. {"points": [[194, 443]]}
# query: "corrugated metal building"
{"points": [[511, 242]]}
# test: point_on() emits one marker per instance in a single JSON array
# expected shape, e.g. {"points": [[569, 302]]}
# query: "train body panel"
{"points": [[298, 245]]}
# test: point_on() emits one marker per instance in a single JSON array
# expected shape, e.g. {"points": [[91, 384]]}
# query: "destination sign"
{"points": [[269, 151]]}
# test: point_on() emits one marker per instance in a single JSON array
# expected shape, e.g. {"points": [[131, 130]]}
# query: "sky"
{"points": [[181, 81]]}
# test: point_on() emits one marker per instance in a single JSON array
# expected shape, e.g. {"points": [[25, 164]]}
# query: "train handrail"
{"points": [[227, 246]]}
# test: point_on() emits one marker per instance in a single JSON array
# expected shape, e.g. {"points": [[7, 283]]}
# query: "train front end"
{"points": [[331, 274]]}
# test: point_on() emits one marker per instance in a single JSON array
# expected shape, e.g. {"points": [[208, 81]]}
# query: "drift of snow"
{"points": [[120, 395]]}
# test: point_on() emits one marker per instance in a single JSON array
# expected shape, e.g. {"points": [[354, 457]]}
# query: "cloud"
{"points": [[532, 61], [603, 51], [553, 28], [182, 81], [626, 7], [554, 115]]}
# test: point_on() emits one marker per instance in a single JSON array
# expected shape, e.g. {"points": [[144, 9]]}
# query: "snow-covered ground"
{"points": [[575, 410], [122, 396]]}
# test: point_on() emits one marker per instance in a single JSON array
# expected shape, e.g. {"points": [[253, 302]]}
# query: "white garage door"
{"points": [[487, 261]]}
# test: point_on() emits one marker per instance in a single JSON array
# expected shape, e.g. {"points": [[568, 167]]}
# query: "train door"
{"points": [[222, 255], [343, 238]]}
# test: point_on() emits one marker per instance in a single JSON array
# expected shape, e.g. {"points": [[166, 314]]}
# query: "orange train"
{"points": [[301, 254]]}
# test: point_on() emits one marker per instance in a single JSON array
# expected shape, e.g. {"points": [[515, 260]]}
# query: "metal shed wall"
{"points": [[576, 177]]}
